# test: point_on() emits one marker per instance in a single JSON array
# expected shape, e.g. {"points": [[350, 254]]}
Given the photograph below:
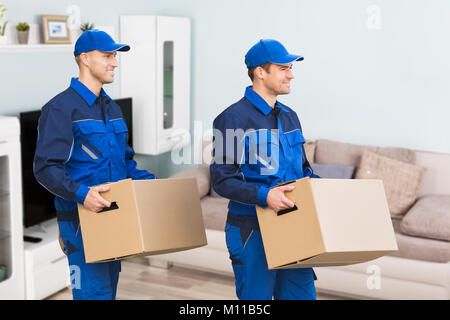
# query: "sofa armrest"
{"points": [[201, 173]]}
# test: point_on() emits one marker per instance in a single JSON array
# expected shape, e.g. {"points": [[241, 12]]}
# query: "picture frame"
{"points": [[56, 29]]}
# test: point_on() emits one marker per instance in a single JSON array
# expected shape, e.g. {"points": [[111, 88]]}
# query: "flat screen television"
{"points": [[38, 205]]}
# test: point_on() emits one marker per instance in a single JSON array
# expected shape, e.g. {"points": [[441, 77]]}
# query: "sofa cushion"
{"points": [[333, 152], [429, 218], [422, 248], [215, 212], [213, 193], [310, 149], [412, 247], [401, 180], [202, 175], [333, 171], [396, 222]]}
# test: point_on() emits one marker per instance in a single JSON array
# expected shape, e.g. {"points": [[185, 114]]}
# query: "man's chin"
{"points": [[107, 81], [285, 91]]}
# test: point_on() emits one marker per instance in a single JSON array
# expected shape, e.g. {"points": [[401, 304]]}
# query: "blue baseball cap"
{"points": [[97, 40], [267, 50]]}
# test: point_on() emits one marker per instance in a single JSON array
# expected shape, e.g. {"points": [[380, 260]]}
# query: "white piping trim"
{"points": [[89, 152], [87, 120], [248, 238], [70, 154], [264, 162], [45, 186], [292, 131]]}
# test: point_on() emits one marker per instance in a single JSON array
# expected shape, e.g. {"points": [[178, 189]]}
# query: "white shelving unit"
{"points": [[161, 49], [16, 48], [11, 228], [46, 266], [35, 41]]}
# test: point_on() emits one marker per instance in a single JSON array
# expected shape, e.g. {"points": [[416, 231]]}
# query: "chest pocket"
{"points": [[262, 152], [295, 139], [121, 131], [91, 135]]}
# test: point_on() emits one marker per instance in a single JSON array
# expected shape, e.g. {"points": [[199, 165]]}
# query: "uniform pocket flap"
{"points": [[91, 126], [295, 137], [262, 137], [120, 126]]}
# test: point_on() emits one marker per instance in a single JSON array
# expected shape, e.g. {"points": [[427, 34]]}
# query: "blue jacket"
{"points": [[255, 148], [82, 142]]}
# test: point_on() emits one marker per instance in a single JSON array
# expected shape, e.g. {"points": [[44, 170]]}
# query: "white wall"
{"points": [[389, 86], [386, 87]]}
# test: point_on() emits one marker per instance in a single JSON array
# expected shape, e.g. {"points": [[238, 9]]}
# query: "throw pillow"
{"points": [[310, 148], [333, 171], [201, 174], [429, 218], [401, 180]]}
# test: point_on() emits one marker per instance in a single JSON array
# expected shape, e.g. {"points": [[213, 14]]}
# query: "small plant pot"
{"points": [[23, 36]]}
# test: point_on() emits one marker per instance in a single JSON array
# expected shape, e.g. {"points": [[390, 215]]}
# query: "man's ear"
{"points": [[259, 72], [84, 59]]}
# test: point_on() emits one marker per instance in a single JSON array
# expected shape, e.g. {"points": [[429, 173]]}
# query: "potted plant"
{"points": [[23, 30], [2, 25], [86, 26]]}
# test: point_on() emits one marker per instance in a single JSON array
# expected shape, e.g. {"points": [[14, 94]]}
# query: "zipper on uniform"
{"points": [[102, 108]]}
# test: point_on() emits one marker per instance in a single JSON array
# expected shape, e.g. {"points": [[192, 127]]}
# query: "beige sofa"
{"points": [[419, 270]]}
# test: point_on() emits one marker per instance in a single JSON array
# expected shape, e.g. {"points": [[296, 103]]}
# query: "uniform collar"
{"points": [[85, 93], [259, 102]]}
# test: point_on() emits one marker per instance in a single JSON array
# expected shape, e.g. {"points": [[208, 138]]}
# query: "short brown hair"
{"points": [[265, 66]]}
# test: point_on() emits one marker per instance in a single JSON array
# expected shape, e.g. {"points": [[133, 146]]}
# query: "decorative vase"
{"points": [[23, 36]]}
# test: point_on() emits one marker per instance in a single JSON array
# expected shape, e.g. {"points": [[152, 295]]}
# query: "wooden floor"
{"points": [[139, 281]]}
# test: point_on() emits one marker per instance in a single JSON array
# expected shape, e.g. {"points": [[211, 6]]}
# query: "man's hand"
{"points": [[276, 199], [94, 201]]}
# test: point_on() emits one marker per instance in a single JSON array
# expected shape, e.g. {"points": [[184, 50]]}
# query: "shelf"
{"points": [[36, 48]]}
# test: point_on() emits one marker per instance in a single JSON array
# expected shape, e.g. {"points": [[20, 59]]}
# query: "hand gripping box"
{"points": [[146, 217], [335, 222]]}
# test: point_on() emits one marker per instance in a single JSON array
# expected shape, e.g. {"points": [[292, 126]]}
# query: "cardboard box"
{"points": [[338, 222], [152, 217]]}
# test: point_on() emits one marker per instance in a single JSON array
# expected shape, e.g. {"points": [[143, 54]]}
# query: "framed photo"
{"points": [[56, 29]]}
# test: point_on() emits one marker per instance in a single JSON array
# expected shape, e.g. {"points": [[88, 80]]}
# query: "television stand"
{"points": [[46, 266]]}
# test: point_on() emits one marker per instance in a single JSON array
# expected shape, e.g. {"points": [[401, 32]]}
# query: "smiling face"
{"points": [[101, 65], [278, 79]]}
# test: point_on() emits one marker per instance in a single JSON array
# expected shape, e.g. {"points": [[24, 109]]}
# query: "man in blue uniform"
{"points": [[258, 143], [82, 142]]}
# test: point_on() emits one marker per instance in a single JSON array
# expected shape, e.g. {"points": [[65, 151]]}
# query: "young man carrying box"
{"points": [[82, 142], [258, 143]]}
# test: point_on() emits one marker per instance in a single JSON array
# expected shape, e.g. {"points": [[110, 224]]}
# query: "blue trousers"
{"points": [[254, 281], [90, 281]]}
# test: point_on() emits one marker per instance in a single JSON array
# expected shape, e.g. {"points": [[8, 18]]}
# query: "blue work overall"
{"points": [[82, 142], [257, 147]]}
